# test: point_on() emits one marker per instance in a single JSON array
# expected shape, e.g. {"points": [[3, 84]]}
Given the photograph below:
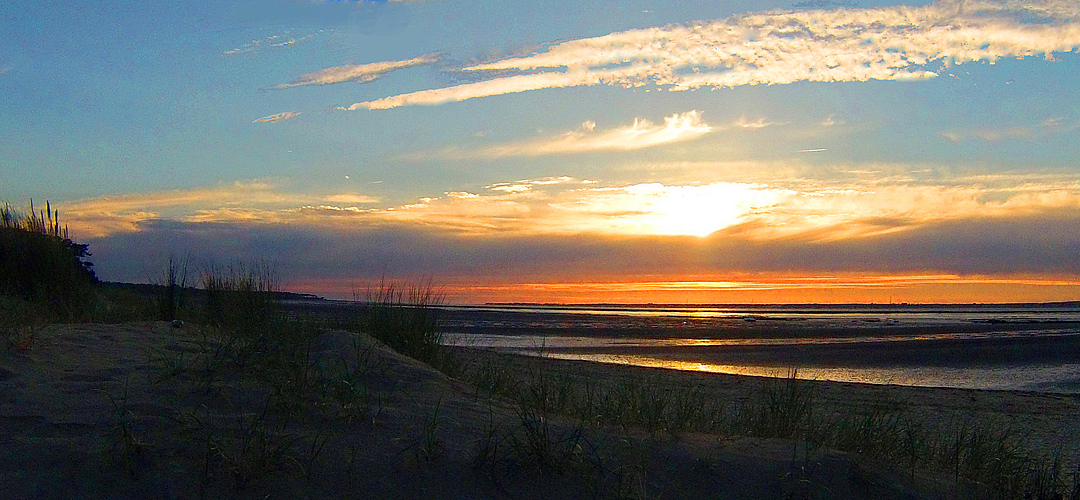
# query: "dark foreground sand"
{"points": [[81, 418]]}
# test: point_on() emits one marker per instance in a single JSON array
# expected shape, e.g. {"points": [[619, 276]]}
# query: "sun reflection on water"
{"points": [[1047, 378]]}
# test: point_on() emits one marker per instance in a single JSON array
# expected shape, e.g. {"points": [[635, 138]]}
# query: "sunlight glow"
{"points": [[656, 209]]}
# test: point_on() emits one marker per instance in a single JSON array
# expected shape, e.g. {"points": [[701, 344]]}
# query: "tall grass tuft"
{"points": [[242, 298], [407, 319], [784, 408], [39, 263], [173, 294]]}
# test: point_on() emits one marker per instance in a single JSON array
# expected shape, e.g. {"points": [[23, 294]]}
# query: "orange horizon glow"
{"points": [[879, 289]]}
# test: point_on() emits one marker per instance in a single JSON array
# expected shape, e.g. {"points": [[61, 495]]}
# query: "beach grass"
{"points": [[173, 299], [41, 265], [406, 317], [982, 459]]}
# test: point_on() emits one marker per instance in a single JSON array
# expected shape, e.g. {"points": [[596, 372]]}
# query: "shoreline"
{"points": [[1050, 421]]}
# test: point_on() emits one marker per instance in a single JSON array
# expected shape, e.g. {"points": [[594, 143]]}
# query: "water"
{"points": [[973, 347]]}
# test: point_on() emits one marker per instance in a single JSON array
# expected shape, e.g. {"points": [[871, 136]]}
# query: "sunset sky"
{"points": [[598, 151]]}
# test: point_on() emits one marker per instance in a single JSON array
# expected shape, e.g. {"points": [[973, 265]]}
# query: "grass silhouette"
{"points": [[41, 265]]}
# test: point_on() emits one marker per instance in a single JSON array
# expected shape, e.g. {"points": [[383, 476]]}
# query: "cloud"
{"points": [[361, 73], [508, 85], [527, 185], [1015, 229], [351, 198], [800, 208], [280, 117], [832, 121], [1046, 127], [779, 47], [819, 210], [1034, 251], [249, 201], [757, 123], [639, 135]]}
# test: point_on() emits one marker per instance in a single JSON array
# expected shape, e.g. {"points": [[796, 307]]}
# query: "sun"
{"points": [[692, 210]]}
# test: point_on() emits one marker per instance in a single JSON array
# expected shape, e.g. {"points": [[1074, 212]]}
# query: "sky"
{"points": [[596, 151]]}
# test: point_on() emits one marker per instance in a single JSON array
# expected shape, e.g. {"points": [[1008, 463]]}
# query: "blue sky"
{"points": [[630, 150]]}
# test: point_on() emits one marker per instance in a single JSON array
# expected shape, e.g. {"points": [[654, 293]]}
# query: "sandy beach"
{"points": [[86, 412]]}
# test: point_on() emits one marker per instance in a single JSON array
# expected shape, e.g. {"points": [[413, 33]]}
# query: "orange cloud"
{"points": [[248, 201]]}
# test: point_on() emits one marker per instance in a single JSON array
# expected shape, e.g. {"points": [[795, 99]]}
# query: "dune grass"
{"points": [[45, 278], [173, 280], [406, 318], [40, 264], [20, 323], [248, 353], [983, 460]]}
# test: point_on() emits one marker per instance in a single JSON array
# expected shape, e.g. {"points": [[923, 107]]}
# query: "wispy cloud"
{"points": [[1046, 127], [528, 184], [1033, 250], [756, 123], [508, 85], [886, 43], [1015, 227], [361, 73], [280, 117], [798, 208], [639, 135], [832, 121]]}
